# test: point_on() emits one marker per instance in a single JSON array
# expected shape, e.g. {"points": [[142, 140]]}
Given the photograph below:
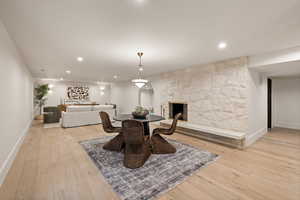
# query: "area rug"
{"points": [[159, 174]]}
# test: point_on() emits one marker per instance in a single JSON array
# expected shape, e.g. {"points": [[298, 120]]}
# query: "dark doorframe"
{"points": [[269, 103]]}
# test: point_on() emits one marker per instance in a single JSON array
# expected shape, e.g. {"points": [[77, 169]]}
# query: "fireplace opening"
{"points": [[175, 108]]}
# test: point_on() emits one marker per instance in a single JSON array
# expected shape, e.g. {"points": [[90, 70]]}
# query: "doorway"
{"points": [[269, 103]]}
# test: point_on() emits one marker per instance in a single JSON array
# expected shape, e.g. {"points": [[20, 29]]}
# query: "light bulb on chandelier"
{"points": [[140, 82]]}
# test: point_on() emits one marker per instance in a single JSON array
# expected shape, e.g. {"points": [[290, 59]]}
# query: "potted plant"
{"points": [[140, 112], [40, 93]]}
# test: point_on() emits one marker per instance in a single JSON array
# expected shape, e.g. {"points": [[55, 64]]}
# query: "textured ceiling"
{"points": [[173, 34]]}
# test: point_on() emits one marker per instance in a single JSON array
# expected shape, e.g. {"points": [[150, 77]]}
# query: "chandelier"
{"points": [[140, 82]]}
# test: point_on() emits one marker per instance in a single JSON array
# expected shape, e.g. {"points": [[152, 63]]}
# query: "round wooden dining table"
{"points": [[149, 118]]}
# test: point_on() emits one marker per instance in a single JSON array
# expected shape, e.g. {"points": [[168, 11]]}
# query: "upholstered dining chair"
{"points": [[137, 148], [117, 143], [159, 144], [52, 114]]}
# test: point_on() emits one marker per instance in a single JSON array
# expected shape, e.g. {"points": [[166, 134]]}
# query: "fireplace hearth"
{"points": [[175, 108]]}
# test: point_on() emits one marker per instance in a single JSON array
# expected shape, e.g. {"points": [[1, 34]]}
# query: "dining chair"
{"points": [[137, 148], [159, 144], [117, 143], [52, 114]]}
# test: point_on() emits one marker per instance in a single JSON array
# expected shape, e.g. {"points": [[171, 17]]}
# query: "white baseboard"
{"points": [[251, 138], [287, 125], [12, 155]]}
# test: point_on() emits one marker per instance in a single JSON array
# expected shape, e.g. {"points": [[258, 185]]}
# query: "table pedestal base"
{"points": [[146, 128]]}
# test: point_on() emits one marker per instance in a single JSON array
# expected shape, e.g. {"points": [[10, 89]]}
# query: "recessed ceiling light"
{"points": [[222, 45], [141, 69], [68, 72], [61, 79], [51, 86], [102, 87], [115, 76], [79, 59]]}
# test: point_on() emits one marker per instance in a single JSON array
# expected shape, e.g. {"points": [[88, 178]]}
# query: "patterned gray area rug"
{"points": [[159, 174]]}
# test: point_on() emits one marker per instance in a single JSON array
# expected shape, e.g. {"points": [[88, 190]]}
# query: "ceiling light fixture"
{"points": [[51, 86], [68, 72], [79, 59], [115, 76], [61, 79], [140, 82], [102, 87], [222, 45]]}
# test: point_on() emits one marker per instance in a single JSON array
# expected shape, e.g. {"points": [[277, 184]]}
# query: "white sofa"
{"points": [[85, 115]]}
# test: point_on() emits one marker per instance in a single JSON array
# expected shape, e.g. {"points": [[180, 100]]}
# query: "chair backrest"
{"points": [[51, 109], [174, 123], [106, 123], [133, 132]]}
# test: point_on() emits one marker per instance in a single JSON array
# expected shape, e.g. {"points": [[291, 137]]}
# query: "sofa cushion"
{"points": [[102, 107], [79, 108]]}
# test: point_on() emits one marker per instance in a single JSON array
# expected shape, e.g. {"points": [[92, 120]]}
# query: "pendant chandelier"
{"points": [[140, 82]]}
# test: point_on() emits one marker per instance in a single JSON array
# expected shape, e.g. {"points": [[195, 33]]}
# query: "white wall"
{"points": [[59, 91], [286, 102], [146, 98], [16, 101], [125, 95], [257, 107], [157, 99]]}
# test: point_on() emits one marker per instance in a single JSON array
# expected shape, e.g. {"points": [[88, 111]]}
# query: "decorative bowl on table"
{"points": [[140, 113]]}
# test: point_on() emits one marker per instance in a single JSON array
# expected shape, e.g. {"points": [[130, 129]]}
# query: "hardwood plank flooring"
{"points": [[51, 165]]}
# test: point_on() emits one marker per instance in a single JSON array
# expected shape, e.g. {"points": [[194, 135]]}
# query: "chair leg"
{"points": [[115, 144], [161, 146]]}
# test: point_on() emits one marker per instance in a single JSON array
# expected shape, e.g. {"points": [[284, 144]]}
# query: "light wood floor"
{"points": [[52, 165]]}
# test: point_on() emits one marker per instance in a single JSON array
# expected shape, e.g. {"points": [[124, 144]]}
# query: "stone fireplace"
{"points": [[175, 108]]}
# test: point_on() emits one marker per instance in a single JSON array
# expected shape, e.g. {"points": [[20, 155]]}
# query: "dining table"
{"points": [[149, 118]]}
